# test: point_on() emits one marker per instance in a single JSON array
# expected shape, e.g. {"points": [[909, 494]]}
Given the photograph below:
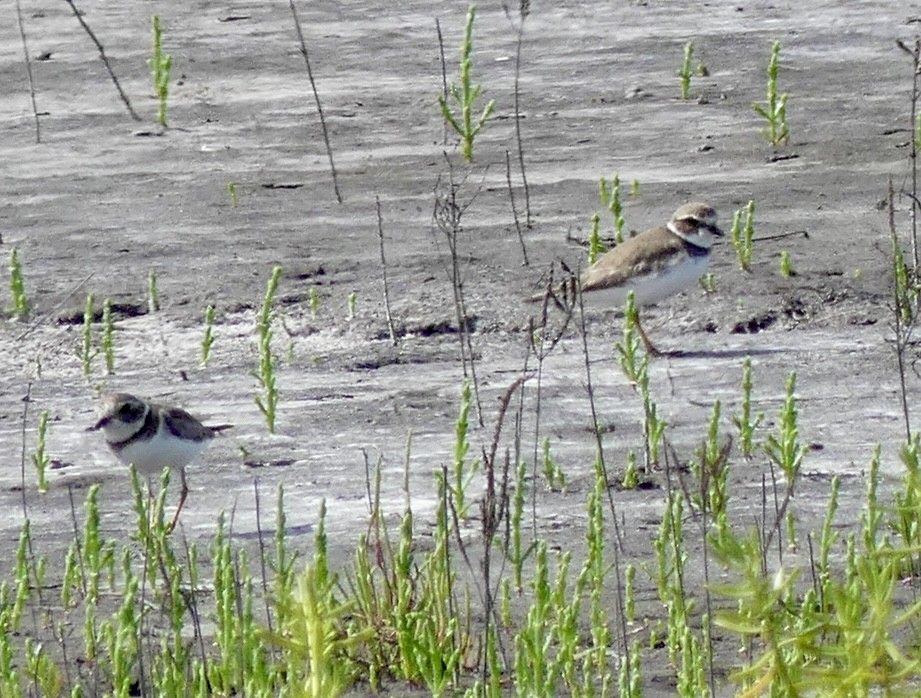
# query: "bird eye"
{"points": [[130, 412]]}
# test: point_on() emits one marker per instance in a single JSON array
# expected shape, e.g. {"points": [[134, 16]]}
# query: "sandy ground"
{"points": [[111, 199]]}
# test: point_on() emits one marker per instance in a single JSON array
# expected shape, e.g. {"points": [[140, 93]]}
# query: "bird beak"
{"points": [[98, 425]]}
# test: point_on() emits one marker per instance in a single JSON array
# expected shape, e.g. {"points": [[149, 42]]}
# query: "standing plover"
{"points": [[153, 437], [655, 264]]}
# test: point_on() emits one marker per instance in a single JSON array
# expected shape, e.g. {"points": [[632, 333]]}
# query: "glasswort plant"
{"points": [[774, 112], [160, 66], [20, 307], [464, 96]]}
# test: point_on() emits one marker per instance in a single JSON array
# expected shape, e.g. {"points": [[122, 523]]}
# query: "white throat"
{"points": [[701, 237]]}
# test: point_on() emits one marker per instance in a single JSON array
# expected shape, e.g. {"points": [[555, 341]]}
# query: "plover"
{"points": [[152, 436], [655, 264]]}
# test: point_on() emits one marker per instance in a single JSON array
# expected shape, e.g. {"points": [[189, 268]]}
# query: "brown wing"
{"points": [[648, 252], [185, 426]]}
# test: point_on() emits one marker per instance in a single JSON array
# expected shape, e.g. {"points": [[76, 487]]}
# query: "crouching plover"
{"points": [[656, 264], [153, 437]]}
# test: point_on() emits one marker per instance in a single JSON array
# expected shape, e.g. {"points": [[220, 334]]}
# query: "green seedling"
{"points": [[465, 95], [462, 470], [553, 473], [744, 421], [518, 553], [917, 134], [41, 670], [635, 365], [686, 72], [108, 336], [314, 301], [596, 247], [630, 593], [784, 448], [20, 307], [87, 355], [160, 66], [635, 188], [610, 197], [632, 363], [153, 294], [232, 191], [906, 287], [774, 111], [742, 236], [208, 340], [268, 401], [786, 266], [353, 298], [40, 458], [708, 283], [316, 633], [631, 477]]}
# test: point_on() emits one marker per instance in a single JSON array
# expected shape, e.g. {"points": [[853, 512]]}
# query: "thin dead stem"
{"points": [[262, 569], [447, 215], [902, 331], [524, 9], [511, 198], [380, 238], [25, 53], [915, 54], [618, 540], [105, 60], [542, 343], [444, 79], [316, 97], [26, 401]]}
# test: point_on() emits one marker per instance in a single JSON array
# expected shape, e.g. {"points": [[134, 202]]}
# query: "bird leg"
{"points": [[650, 349], [183, 493]]}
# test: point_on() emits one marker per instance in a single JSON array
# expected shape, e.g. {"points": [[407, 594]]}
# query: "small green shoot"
{"points": [[462, 470], [153, 294], [108, 336], [40, 458], [631, 478], [160, 66], [786, 266], [268, 401], [87, 355], [907, 289], [20, 307], [610, 197], [232, 191], [208, 340], [635, 188], [596, 248], [744, 421], [553, 473], [774, 112], [708, 283], [464, 96], [635, 365], [686, 72], [314, 301], [315, 634], [631, 362], [353, 298], [742, 236], [784, 448]]}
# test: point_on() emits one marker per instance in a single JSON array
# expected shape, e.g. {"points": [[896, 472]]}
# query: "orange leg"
{"points": [[650, 349], [183, 493]]}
